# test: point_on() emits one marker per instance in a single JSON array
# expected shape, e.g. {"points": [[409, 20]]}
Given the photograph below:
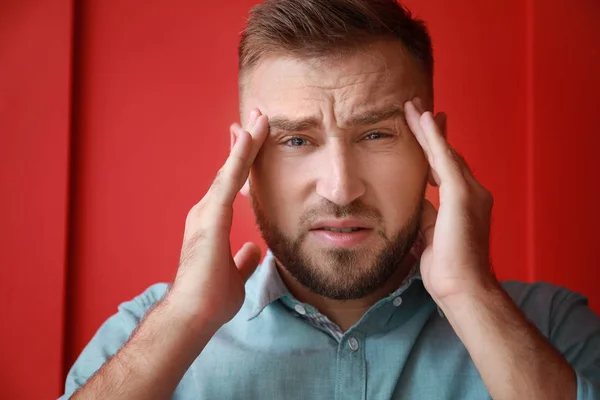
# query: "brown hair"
{"points": [[316, 28]]}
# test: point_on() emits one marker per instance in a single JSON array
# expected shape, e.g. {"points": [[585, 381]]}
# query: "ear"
{"points": [[441, 121], [245, 190]]}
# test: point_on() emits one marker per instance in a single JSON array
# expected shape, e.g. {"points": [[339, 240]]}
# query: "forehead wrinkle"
{"points": [[311, 117], [374, 104], [347, 81]]}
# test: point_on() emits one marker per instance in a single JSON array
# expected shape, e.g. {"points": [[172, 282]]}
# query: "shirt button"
{"points": [[300, 309], [397, 301], [353, 344]]}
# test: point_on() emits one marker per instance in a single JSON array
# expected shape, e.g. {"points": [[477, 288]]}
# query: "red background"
{"points": [[114, 119]]}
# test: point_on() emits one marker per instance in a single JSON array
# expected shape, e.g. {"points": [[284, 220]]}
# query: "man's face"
{"points": [[338, 184]]}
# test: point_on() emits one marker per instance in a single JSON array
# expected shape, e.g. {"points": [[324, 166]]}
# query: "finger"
{"points": [[234, 173], [254, 114], [464, 167], [413, 115], [247, 259], [413, 118], [428, 219], [413, 111], [219, 192], [257, 144], [236, 128], [232, 135], [439, 153]]}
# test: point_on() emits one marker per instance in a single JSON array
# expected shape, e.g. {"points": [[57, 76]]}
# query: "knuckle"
{"points": [[462, 193], [195, 212], [485, 195], [189, 219]]}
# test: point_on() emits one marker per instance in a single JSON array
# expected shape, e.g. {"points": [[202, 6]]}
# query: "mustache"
{"points": [[328, 209]]}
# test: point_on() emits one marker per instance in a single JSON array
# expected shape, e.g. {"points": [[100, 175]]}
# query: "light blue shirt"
{"points": [[402, 348]]}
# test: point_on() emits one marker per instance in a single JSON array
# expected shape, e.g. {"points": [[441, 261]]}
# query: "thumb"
{"points": [[428, 219], [247, 259]]}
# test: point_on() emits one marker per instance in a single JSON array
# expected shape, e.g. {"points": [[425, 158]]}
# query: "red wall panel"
{"points": [[35, 59], [565, 143], [156, 93]]}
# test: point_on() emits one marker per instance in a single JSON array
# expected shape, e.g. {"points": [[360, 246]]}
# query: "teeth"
{"points": [[344, 230]]}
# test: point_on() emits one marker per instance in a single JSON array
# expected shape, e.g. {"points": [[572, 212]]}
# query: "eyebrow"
{"points": [[292, 125], [370, 117], [373, 117]]}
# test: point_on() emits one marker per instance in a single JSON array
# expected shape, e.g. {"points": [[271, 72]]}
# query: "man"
{"points": [[367, 291]]}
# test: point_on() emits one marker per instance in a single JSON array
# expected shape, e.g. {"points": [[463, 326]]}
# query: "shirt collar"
{"points": [[270, 287]]}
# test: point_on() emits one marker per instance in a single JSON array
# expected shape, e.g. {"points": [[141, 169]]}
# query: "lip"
{"points": [[339, 239], [341, 224]]}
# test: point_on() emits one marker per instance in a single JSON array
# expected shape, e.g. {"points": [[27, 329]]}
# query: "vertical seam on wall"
{"points": [[530, 145], [73, 162], [67, 205]]}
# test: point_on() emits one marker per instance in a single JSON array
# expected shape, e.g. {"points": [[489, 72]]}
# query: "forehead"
{"points": [[380, 74]]}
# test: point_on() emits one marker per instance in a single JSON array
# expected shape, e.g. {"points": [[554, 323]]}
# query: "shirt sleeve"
{"points": [[110, 337], [575, 332], [564, 317]]}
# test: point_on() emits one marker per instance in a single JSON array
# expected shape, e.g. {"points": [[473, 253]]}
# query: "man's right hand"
{"points": [[207, 292], [209, 285]]}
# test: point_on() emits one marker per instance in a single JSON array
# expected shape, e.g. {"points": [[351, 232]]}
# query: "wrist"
{"points": [[187, 315], [479, 291]]}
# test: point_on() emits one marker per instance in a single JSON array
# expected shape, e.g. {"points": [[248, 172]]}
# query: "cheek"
{"points": [[396, 183], [277, 175], [280, 183]]}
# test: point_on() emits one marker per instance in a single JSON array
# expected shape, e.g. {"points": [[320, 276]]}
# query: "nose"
{"points": [[339, 180]]}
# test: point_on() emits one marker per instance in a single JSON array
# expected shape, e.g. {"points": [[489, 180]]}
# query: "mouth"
{"points": [[340, 230], [341, 233], [346, 225]]}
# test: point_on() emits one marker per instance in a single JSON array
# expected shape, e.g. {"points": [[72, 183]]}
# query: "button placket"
{"points": [[351, 374]]}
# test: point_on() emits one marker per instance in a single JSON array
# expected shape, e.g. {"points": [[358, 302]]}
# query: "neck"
{"points": [[345, 313]]}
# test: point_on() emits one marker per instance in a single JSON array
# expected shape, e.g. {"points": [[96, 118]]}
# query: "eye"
{"points": [[377, 135], [296, 142]]}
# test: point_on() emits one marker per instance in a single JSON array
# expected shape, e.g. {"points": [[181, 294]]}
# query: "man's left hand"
{"points": [[456, 259]]}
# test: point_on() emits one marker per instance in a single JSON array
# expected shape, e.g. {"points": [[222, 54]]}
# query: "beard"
{"points": [[340, 273]]}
